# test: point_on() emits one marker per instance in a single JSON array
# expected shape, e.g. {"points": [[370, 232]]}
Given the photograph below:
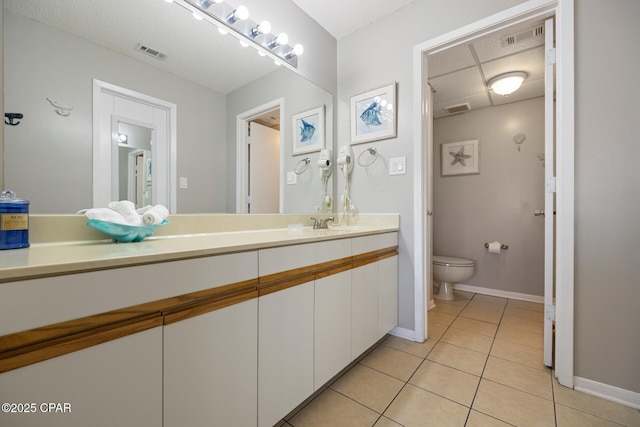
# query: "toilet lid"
{"points": [[449, 261]]}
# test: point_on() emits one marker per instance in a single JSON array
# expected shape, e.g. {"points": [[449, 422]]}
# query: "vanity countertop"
{"points": [[59, 258]]}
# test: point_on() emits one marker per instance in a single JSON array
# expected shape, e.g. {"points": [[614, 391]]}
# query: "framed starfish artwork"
{"points": [[308, 131], [460, 157], [373, 115]]}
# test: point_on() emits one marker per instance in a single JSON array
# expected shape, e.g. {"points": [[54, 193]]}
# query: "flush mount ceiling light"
{"points": [[235, 21], [506, 84]]}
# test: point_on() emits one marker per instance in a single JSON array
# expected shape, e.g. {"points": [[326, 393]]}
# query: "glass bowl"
{"points": [[123, 232]]}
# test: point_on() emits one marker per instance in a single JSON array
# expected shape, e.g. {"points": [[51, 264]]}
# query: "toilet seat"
{"points": [[449, 261]]}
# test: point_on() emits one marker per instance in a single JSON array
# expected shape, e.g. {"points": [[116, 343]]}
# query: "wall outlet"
{"points": [[292, 178], [398, 166], [183, 182]]}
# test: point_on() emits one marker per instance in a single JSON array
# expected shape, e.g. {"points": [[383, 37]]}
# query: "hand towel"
{"points": [[155, 215], [127, 209], [105, 214]]}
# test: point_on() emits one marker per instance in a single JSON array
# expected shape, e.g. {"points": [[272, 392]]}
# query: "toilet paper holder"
{"points": [[502, 246]]}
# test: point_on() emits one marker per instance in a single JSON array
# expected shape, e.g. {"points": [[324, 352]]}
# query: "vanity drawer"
{"points": [[276, 260], [360, 245]]}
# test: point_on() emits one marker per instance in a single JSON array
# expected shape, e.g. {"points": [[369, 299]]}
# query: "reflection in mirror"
{"points": [[134, 163], [56, 48]]}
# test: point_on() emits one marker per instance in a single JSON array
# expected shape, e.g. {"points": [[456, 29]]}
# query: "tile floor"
{"points": [[481, 366]]}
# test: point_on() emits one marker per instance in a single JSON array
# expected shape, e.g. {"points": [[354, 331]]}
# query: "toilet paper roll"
{"points": [[494, 247]]}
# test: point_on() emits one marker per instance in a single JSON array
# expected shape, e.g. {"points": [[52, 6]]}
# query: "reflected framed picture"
{"points": [[308, 131], [460, 157], [373, 115]]}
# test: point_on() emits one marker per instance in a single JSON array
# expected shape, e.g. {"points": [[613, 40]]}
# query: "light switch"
{"points": [[183, 182], [292, 178], [398, 166]]}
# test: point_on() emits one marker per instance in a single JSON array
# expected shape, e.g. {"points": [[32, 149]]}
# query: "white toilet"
{"points": [[448, 270]]}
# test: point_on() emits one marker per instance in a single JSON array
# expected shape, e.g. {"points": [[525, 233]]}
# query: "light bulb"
{"points": [[241, 13], [197, 16], [263, 28], [280, 40], [222, 31]]}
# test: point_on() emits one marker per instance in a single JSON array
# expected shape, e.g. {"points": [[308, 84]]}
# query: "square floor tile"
{"points": [[440, 317], [368, 387], [521, 377], [509, 321], [513, 406], [595, 406], [436, 330], [485, 314], [534, 316], [488, 299], [445, 307], [478, 419], [460, 358], [392, 362], [386, 422], [468, 340], [518, 353], [446, 382], [417, 407], [333, 409], [476, 326], [412, 347], [530, 339], [569, 417], [526, 305]]}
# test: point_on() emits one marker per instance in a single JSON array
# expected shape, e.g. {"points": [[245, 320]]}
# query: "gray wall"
{"points": [[298, 95], [48, 158], [377, 55], [607, 269], [498, 203]]}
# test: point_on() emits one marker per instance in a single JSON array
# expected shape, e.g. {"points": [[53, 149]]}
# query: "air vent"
{"points": [[459, 108], [150, 51], [531, 33]]}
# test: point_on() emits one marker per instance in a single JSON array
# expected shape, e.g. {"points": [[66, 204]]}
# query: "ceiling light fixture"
{"points": [[506, 84], [235, 21]]}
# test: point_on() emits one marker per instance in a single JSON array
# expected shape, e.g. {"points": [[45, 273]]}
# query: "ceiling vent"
{"points": [[458, 108], [150, 51], [531, 33]]}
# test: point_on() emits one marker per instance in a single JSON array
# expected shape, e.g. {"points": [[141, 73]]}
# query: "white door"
{"points": [[264, 169], [549, 197]]}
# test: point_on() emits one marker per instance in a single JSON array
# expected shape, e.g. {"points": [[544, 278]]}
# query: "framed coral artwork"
{"points": [[308, 131], [373, 115], [460, 157]]}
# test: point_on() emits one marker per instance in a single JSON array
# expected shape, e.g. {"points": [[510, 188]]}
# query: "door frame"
{"points": [[242, 166], [565, 135]]}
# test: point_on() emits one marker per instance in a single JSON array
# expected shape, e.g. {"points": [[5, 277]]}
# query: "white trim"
{"points": [[242, 172], [565, 161], [608, 392], [499, 293], [407, 334], [102, 149]]}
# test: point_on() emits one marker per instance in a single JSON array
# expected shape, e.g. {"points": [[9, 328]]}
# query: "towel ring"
{"points": [[372, 152], [302, 166]]}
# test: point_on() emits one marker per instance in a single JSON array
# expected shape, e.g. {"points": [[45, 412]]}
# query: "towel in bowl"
{"points": [[104, 214], [127, 209], [155, 215]]}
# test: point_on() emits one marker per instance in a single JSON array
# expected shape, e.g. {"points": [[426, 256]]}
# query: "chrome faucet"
{"points": [[321, 223]]}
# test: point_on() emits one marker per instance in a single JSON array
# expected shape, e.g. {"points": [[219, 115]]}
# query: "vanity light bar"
{"points": [[227, 18]]}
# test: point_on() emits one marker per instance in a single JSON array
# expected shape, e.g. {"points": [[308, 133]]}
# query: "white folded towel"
{"points": [[105, 214], [155, 215], [127, 209], [143, 209]]}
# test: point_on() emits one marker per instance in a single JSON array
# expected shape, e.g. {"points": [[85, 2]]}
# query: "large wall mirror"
{"points": [[56, 49]]}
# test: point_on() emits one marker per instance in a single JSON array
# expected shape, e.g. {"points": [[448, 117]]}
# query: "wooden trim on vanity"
{"points": [[35, 345]]}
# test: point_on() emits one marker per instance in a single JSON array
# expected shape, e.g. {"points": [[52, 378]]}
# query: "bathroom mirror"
{"points": [[56, 48], [134, 163]]}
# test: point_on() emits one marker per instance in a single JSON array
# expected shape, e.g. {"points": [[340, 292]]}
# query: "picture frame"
{"points": [[460, 158], [308, 131], [373, 115]]}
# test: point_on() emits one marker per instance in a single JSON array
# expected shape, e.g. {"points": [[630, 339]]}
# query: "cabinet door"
{"points": [[332, 326], [210, 368], [285, 346], [387, 295], [364, 305], [116, 383]]}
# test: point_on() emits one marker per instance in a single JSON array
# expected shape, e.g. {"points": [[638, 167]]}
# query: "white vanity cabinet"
{"points": [[332, 336], [210, 368], [387, 295], [285, 348], [116, 383]]}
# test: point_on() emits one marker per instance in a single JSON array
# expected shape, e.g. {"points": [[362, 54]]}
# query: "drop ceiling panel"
{"points": [[447, 61], [491, 47], [457, 85]]}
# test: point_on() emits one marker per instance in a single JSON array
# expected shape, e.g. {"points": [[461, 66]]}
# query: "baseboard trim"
{"points": [[499, 293], [608, 392], [407, 334]]}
